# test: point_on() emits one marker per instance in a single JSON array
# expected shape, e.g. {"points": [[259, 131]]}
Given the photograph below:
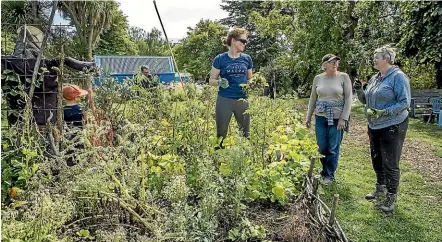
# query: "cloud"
{"points": [[176, 15]]}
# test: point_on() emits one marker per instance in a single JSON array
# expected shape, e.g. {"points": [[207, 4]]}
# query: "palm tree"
{"points": [[17, 13], [90, 19]]}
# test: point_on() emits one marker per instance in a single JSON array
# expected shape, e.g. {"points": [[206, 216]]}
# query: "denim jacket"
{"points": [[390, 93]]}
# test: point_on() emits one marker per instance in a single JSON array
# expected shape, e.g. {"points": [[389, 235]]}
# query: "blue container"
{"points": [[166, 78], [185, 76]]}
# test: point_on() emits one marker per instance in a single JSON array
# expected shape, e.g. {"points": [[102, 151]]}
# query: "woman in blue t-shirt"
{"points": [[229, 71]]}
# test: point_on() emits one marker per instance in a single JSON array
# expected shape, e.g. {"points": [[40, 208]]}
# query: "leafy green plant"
{"points": [[246, 230]]}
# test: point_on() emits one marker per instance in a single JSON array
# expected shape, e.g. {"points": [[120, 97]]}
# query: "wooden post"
{"points": [[333, 210], [312, 165], [60, 93], [315, 185]]}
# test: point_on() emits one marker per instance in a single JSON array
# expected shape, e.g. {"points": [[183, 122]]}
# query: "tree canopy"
{"points": [[287, 39]]}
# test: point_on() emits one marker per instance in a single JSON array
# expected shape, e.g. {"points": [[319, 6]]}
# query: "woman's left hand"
{"points": [[341, 124]]}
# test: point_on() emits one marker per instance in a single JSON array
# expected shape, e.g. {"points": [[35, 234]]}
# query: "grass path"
{"points": [[418, 216]]}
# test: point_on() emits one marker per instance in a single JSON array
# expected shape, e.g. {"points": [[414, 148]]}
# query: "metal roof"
{"points": [[131, 64]]}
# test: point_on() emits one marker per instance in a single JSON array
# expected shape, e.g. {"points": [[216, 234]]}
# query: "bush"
{"points": [[421, 76]]}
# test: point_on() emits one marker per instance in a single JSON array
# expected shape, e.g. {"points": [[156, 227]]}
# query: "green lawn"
{"points": [[418, 216], [419, 213]]}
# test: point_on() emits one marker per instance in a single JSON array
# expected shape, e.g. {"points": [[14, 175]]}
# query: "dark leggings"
{"points": [[386, 148], [225, 107]]}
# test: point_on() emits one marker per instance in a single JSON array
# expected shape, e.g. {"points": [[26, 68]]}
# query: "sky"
{"points": [[176, 15]]}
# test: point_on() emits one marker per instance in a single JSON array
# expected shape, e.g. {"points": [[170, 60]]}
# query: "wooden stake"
{"points": [[315, 185], [333, 210], [312, 165]]}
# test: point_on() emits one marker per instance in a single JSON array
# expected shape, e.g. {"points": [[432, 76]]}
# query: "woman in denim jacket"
{"points": [[387, 98]]}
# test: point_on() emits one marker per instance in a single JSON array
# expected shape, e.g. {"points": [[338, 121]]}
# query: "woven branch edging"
{"points": [[321, 216]]}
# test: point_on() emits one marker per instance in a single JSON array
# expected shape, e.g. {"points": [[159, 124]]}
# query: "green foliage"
{"points": [[308, 35], [378, 25], [85, 234], [8, 42], [90, 19], [422, 30], [115, 40], [149, 43], [21, 151], [421, 76], [246, 230], [16, 13], [197, 51], [263, 47], [163, 162], [281, 180]]}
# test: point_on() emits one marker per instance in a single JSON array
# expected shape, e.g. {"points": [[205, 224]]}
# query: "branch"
{"points": [[75, 20], [98, 31]]}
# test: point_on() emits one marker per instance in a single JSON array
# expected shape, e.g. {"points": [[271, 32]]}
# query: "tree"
{"points": [[148, 43], [261, 47], [116, 40], [16, 13], [196, 52], [422, 34], [307, 31], [90, 19], [378, 25]]}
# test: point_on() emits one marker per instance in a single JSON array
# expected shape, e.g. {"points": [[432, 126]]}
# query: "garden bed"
{"points": [[159, 178]]}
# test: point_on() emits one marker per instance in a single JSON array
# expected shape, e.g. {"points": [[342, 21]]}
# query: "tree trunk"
{"points": [[353, 21], [34, 6]]}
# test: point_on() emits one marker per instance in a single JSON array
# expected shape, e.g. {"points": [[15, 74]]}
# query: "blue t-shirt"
{"points": [[235, 71]]}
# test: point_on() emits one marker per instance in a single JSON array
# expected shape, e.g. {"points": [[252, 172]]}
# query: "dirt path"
{"points": [[419, 155]]}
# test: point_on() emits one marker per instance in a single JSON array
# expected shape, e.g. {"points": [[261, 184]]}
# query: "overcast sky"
{"points": [[177, 15]]}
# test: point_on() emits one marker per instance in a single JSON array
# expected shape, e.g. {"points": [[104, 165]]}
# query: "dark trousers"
{"points": [[329, 139], [386, 148], [225, 107]]}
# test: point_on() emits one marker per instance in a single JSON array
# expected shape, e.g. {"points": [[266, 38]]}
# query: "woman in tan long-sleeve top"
{"points": [[331, 97]]}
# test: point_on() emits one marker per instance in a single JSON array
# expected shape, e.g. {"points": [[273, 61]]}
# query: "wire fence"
{"points": [[20, 46]]}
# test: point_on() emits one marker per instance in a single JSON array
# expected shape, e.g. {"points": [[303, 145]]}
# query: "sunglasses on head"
{"points": [[333, 61], [244, 41], [385, 50]]}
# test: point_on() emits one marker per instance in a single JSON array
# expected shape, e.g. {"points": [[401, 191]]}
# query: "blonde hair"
{"points": [[233, 34], [387, 52]]}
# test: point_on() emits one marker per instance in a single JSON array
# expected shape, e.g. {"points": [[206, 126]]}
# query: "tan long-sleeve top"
{"points": [[331, 89]]}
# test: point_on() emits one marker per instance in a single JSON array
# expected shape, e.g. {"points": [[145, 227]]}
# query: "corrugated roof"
{"points": [[130, 64]]}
